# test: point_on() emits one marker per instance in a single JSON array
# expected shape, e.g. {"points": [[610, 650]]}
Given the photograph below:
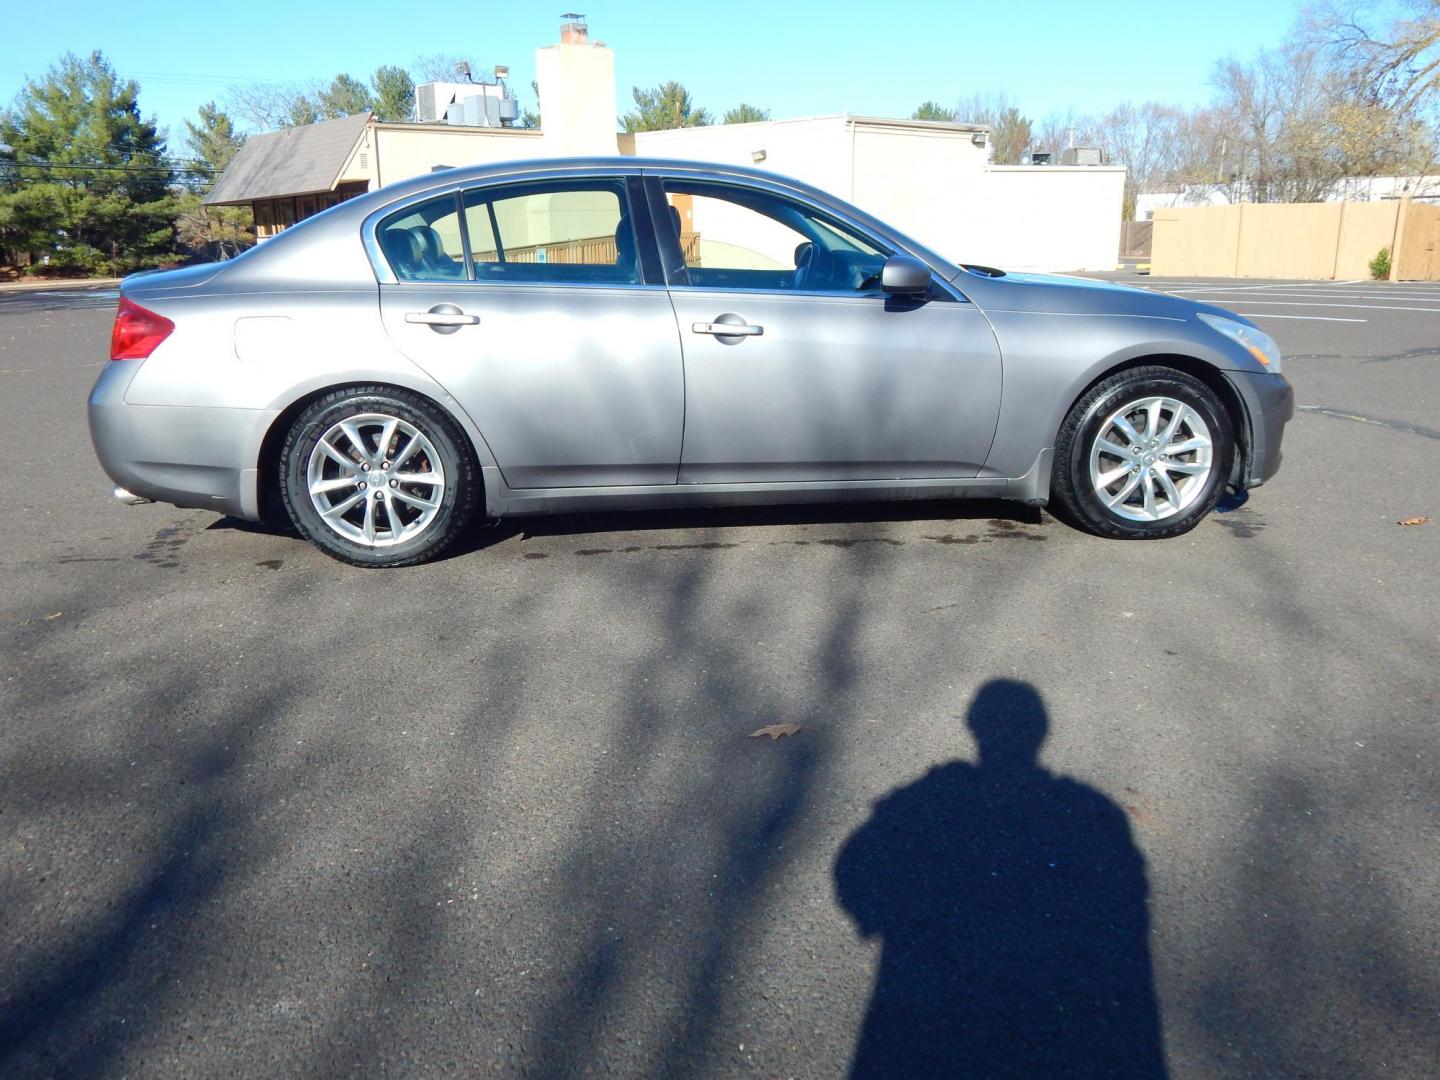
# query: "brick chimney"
{"points": [[573, 30]]}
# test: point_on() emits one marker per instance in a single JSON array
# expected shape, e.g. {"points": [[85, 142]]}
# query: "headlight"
{"points": [[1259, 344]]}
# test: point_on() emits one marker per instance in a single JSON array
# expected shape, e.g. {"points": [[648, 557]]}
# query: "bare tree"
{"points": [[269, 106], [1399, 62], [1010, 130]]}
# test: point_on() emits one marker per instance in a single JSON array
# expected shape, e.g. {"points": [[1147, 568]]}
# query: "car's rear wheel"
{"points": [[1143, 455], [377, 476]]}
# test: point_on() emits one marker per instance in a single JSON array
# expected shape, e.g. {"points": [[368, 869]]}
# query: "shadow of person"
{"points": [[1011, 907]]}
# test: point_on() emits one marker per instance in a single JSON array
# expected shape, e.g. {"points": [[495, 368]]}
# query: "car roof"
{"points": [[342, 223]]}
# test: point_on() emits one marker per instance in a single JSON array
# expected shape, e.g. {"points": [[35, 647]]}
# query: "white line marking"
{"points": [[1432, 298], [1364, 307], [1181, 287], [1309, 318]]}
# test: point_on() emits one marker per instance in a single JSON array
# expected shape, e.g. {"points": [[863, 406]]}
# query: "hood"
{"points": [[1058, 294]]}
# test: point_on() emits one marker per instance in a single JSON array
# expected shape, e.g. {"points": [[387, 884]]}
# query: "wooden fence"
{"points": [[589, 251], [1326, 241]]}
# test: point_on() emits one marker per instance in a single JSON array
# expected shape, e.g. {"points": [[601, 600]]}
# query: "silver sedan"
{"points": [[539, 337]]}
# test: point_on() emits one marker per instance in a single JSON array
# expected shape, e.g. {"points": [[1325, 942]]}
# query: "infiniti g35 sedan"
{"points": [[564, 335]]}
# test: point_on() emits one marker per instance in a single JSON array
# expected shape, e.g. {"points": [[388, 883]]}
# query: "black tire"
{"points": [[1074, 498], [456, 461]]}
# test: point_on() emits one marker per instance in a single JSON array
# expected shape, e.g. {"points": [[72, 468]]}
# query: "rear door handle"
{"points": [[441, 318], [726, 329]]}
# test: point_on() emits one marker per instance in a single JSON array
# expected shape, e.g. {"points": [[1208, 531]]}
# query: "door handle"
{"points": [[727, 329], [441, 318]]}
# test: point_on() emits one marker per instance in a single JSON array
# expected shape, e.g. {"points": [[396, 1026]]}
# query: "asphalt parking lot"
{"points": [[263, 814]]}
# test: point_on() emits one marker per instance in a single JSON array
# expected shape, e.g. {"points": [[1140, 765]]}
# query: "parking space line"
{"points": [[1361, 307], [1433, 298], [1276, 285], [1307, 318]]}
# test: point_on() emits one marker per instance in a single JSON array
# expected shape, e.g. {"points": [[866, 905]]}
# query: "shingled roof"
{"points": [[300, 161]]}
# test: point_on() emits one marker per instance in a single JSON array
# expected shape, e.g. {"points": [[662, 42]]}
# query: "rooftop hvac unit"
{"points": [[432, 99], [482, 110], [1082, 155]]}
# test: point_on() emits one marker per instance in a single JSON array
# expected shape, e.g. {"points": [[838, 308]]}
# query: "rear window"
{"points": [[557, 233]]}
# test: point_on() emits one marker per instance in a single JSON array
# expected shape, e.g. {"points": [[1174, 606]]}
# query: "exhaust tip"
{"points": [[129, 498]]}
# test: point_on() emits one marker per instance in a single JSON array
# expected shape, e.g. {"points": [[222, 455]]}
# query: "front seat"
{"points": [[625, 248]]}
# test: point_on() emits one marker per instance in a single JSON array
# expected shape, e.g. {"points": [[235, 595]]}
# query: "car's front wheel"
{"points": [[377, 476], [1143, 455]]}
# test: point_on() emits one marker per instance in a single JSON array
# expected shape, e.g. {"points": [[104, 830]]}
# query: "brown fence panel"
{"points": [[1198, 241], [1419, 247], [1135, 239], [1366, 229], [1288, 240], [1321, 241]]}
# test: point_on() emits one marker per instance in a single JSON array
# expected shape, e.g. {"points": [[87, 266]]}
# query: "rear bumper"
{"points": [[1270, 403], [188, 456]]}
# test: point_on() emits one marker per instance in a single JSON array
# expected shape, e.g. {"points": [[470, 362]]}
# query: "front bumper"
{"points": [[1270, 404], [188, 456]]}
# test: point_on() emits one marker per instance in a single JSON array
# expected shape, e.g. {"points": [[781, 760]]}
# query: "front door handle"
{"points": [[727, 329]]}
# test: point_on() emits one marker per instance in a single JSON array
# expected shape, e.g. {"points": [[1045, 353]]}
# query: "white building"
{"points": [[932, 180], [1351, 189]]}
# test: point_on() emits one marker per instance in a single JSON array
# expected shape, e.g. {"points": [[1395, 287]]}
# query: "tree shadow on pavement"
{"points": [[1011, 907]]}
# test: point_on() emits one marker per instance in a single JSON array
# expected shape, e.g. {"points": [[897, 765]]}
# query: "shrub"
{"points": [[1380, 265]]}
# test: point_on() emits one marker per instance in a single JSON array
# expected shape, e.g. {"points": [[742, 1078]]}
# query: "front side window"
{"points": [[553, 234], [737, 238], [423, 242]]}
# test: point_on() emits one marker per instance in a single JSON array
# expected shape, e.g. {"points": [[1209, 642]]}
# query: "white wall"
{"points": [[931, 182], [1043, 217], [816, 150], [401, 151], [577, 99]]}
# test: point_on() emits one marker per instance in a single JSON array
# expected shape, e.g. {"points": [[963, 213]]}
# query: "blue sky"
{"points": [[876, 58]]}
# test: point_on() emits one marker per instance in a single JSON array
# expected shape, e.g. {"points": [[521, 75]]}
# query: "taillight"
{"points": [[137, 331]]}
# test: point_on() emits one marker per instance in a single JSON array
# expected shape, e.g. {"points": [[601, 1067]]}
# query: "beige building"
{"points": [[932, 180]]}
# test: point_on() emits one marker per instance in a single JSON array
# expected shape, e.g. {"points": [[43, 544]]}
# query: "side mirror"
{"points": [[904, 276]]}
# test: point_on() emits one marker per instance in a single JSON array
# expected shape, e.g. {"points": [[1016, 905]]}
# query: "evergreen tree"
{"points": [[345, 96], [394, 94], [213, 142], [666, 106], [87, 182], [745, 114], [212, 232], [930, 110]]}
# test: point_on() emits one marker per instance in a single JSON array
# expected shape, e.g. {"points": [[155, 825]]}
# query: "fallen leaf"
{"points": [[53, 615], [776, 730], [1415, 521]]}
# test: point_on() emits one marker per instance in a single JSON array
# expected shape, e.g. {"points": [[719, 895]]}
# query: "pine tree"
{"points": [[212, 232], [87, 184], [394, 94], [668, 105], [345, 96], [745, 114]]}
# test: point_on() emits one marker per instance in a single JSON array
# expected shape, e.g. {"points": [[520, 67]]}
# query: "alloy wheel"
{"points": [[375, 479], [1151, 459]]}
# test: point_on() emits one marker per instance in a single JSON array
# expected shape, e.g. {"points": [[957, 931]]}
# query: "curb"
{"points": [[58, 283]]}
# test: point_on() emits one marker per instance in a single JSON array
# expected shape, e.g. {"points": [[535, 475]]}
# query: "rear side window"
{"points": [[424, 242], [559, 233], [556, 234]]}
